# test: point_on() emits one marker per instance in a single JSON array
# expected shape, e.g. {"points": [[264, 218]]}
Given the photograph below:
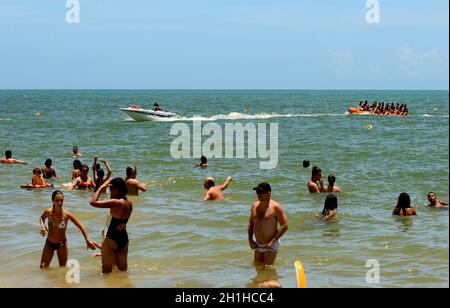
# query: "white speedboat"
{"points": [[139, 114]]}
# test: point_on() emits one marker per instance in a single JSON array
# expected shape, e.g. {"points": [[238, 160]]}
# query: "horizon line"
{"points": [[210, 89]]}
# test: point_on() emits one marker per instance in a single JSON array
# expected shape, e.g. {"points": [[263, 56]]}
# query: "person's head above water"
{"points": [[48, 163], [37, 171], [75, 150], [331, 179], [331, 204], [203, 160], [8, 154], [77, 164], [131, 172], [306, 164], [118, 188], [316, 173], [432, 197], [209, 182]]}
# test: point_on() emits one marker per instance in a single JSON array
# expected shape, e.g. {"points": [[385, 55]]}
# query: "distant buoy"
{"points": [[369, 126], [37, 114]]}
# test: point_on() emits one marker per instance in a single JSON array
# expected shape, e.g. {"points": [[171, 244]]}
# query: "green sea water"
{"points": [[176, 240]]}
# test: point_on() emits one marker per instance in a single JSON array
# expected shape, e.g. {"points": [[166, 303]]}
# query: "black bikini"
{"points": [[118, 235]]}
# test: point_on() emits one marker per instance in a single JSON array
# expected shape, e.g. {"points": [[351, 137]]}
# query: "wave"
{"points": [[5, 119], [242, 116], [427, 115]]}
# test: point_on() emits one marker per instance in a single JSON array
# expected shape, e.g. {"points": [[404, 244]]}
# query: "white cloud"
{"points": [[415, 64]]}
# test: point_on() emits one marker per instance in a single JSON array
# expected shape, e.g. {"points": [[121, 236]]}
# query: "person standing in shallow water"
{"points": [[265, 216], [315, 185], [57, 225], [403, 207], [133, 185], [215, 193], [115, 244]]}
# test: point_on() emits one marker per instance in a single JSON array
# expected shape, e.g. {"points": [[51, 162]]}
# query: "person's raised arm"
{"points": [[90, 244], [227, 182], [94, 168], [108, 168], [105, 204]]}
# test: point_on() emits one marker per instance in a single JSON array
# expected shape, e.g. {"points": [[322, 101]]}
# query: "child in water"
{"points": [[57, 226], [330, 208], [403, 207], [48, 172], [38, 179]]}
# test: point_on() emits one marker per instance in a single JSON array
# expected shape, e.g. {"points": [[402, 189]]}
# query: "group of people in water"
{"points": [[268, 221], [382, 108]]}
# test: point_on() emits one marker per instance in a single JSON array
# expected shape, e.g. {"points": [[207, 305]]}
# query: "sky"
{"points": [[224, 44]]}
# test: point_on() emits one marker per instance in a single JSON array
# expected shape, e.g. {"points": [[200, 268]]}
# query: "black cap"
{"points": [[263, 188]]}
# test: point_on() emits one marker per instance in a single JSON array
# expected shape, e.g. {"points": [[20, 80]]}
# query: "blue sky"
{"points": [[224, 44]]}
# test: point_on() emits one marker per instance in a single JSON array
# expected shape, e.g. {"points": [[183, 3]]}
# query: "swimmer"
{"points": [[83, 182], [75, 152], [99, 174], [57, 226], [214, 193], [48, 172], [331, 188], [330, 208], [203, 162], [403, 207], [9, 160], [76, 171], [115, 244], [265, 216], [38, 179], [433, 200], [133, 185], [315, 185]]}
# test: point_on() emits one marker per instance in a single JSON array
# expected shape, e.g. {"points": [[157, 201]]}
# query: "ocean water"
{"points": [[176, 240]]}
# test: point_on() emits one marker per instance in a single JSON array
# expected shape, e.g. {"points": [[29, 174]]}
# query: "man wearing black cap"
{"points": [[263, 223], [156, 107]]}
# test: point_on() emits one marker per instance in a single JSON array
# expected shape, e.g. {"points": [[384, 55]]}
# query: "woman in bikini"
{"points": [[57, 225], [83, 182], [115, 244]]}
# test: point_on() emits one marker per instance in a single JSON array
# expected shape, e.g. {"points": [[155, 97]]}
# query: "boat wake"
{"points": [[236, 116]]}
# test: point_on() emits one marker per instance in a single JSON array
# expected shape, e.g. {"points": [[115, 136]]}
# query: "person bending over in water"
{"points": [[48, 172], [83, 182], [8, 159], [433, 200], [99, 174], [315, 185], [115, 244], [38, 179], [265, 216], [331, 188], [203, 162], [133, 185], [57, 226], [215, 193], [403, 207], [330, 208]]}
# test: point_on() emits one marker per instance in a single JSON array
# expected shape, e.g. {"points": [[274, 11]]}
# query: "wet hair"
{"points": [[331, 203], [203, 159], [121, 185], [85, 167], [331, 179], [75, 149], [48, 163], [210, 183], [130, 170], [99, 180], [8, 154], [403, 203], [98, 167], [37, 170], [315, 171], [77, 164], [306, 164], [56, 192]]}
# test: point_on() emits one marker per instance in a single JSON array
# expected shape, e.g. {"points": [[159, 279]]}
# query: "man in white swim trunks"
{"points": [[265, 216]]}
